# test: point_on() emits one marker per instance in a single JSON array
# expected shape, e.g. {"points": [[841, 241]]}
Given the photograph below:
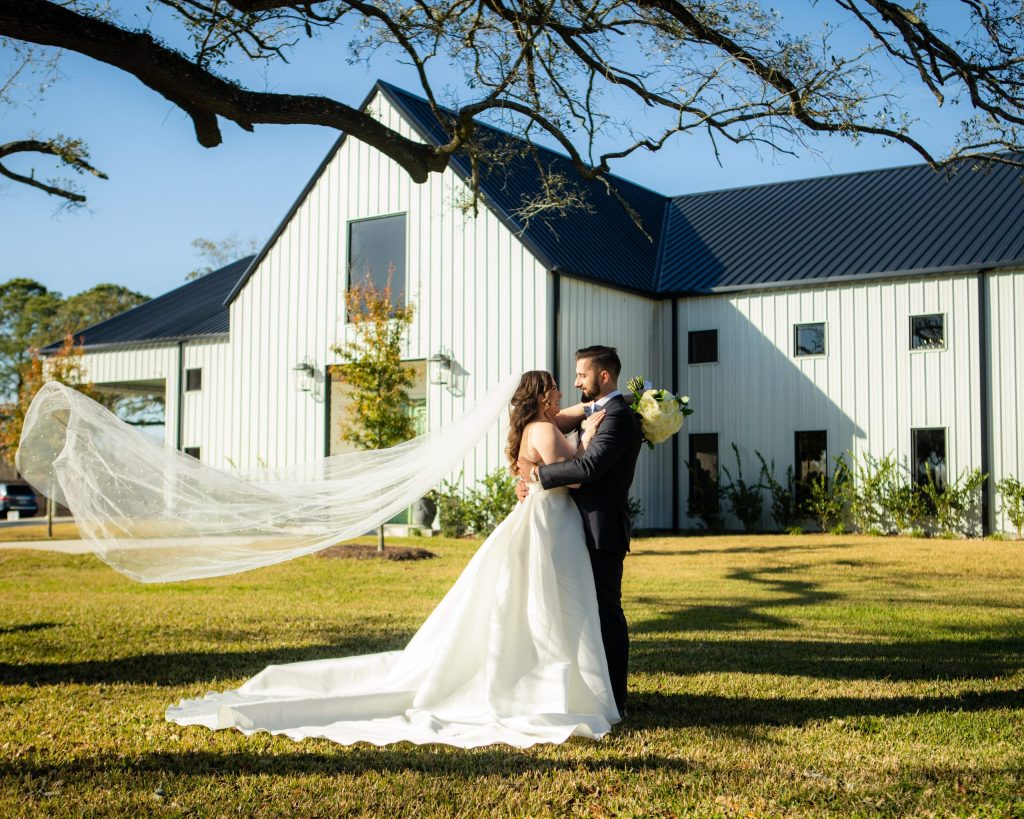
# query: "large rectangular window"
{"points": [[703, 346], [376, 251], [929, 454], [809, 339], [928, 332], [810, 462], [193, 379], [703, 462]]}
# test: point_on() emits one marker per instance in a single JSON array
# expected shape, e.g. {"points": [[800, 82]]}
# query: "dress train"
{"points": [[512, 655]]}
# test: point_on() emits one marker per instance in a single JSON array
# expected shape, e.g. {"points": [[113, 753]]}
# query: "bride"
{"points": [[512, 654]]}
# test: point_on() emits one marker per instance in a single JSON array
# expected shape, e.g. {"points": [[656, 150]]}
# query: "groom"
{"points": [[605, 473]]}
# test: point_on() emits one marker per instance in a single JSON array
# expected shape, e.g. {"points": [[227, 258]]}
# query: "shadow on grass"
{"points": [[308, 759], [25, 627], [741, 614], [653, 711], [637, 549], [823, 659], [649, 712], [183, 668]]}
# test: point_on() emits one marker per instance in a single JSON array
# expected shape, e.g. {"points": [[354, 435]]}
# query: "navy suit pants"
{"points": [[607, 568]]}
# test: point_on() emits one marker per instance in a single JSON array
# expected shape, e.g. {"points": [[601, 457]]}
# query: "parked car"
{"points": [[17, 497]]}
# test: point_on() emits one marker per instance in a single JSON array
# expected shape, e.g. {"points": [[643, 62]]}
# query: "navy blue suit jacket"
{"points": [[605, 471]]}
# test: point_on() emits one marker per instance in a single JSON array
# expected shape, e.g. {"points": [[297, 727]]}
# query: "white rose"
{"points": [[661, 425], [648, 407]]}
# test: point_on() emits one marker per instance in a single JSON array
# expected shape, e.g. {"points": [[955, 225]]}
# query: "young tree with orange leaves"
{"points": [[372, 369], [64, 366]]}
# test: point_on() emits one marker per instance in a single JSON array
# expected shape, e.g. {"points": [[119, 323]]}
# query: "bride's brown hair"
{"points": [[529, 401]]}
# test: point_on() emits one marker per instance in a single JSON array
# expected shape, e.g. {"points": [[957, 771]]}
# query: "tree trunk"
{"points": [[380, 538]]}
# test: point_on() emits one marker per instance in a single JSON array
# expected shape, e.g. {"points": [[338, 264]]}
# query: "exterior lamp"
{"points": [[440, 366], [304, 373]]}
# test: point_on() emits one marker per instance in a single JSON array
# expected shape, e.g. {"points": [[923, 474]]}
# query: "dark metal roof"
{"points": [[892, 222], [600, 241], [885, 223], [194, 309]]}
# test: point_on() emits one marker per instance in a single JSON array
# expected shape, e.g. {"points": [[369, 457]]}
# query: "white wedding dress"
{"points": [[512, 655]]}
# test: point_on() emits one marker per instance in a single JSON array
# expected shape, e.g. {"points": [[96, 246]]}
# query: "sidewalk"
{"points": [[69, 546]]}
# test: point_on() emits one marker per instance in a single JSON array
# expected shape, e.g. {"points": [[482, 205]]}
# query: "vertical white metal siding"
{"points": [[591, 314], [868, 391], [208, 415], [142, 362], [1006, 375], [479, 294]]}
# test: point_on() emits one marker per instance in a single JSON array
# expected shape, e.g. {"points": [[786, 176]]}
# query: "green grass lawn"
{"points": [[37, 530], [770, 675]]}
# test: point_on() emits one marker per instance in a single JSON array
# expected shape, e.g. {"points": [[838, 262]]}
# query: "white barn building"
{"points": [[872, 312]]}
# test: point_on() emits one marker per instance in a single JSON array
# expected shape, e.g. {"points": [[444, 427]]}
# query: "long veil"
{"points": [[158, 515]]}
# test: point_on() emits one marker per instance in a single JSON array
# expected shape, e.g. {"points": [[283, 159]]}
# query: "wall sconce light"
{"points": [[440, 367], [305, 374]]}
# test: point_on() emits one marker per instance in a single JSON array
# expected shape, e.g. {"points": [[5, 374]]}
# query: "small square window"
{"points": [[928, 332], [193, 380], [703, 346], [809, 339], [929, 452], [193, 451]]}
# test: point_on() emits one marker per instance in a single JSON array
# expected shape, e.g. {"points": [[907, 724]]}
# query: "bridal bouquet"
{"points": [[661, 413]]}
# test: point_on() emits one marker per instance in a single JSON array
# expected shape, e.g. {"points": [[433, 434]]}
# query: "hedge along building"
{"points": [[872, 312]]}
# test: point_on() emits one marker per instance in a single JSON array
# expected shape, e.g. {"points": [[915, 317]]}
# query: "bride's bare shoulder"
{"points": [[541, 434]]}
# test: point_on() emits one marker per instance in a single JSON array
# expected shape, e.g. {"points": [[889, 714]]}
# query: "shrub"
{"points": [[745, 500], [955, 506], [784, 509], [898, 500], [478, 510], [827, 499], [491, 501], [1011, 491], [452, 509], [705, 501], [872, 480], [636, 510], [906, 506]]}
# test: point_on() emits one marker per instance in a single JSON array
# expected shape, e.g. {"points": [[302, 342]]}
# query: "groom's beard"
{"points": [[586, 396]]}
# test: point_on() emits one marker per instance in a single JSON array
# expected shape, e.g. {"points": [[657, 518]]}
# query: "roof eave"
{"points": [[976, 267], [113, 346]]}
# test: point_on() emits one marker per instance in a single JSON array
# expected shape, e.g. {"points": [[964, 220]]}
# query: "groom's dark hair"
{"points": [[604, 358]]}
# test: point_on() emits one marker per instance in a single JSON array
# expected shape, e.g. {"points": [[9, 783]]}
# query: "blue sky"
{"points": [[165, 190]]}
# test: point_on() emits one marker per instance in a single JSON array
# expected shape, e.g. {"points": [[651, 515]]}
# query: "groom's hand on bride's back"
{"points": [[522, 490]]}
